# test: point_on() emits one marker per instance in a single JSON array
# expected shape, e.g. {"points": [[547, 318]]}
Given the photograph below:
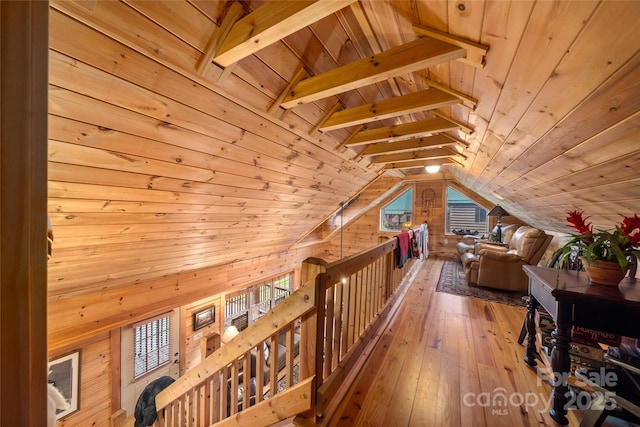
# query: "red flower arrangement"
{"points": [[608, 245]]}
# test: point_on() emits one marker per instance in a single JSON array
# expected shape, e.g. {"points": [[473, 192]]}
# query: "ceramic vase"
{"points": [[604, 272]]}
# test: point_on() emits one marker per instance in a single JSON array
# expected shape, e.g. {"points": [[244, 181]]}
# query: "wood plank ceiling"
{"points": [[185, 134]]}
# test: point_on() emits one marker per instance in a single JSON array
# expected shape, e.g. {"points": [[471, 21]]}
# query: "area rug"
{"points": [[452, 281]]}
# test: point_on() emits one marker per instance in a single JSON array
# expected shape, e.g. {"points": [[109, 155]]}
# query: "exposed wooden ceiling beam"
{"points": [[428, 154], [460, 141], [467, 101], [429, 99], [416, 55], [405, 130], [364, 40], [476, 52], [408, 145], [299, 74], [343, 145], [421, 164], [463, 127], [333, 109], [234, 12], [270, 23]]}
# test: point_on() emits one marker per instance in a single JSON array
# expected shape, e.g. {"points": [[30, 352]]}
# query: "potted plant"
{"points": [[605, 252]]}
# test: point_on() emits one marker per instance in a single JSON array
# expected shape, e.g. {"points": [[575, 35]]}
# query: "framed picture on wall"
{"points": [[64, 374], [204, 317]]}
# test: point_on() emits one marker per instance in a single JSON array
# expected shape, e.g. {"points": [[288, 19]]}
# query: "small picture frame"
{"points": [[204, 317], [64, 374]]}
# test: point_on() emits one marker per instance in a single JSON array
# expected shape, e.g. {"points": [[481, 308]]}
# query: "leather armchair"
{"points": [[468, 242], [501, 267]]}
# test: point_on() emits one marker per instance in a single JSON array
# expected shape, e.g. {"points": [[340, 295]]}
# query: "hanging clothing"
{"points": [[423, 240], [415, 250], [402, 251], [418, 235]]}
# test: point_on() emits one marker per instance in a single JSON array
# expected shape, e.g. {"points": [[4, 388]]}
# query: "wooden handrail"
{"points": [[334, 315]]}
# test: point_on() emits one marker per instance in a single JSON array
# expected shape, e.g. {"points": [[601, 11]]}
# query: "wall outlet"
{"points": [[446, 241]]}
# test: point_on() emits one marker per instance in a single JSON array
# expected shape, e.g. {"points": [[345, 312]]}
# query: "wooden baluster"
{"points": [[368, 309], [260, 371], [210, 400], [337, 333], [181, 411], [289, 356], [273, 366], [351, 303], [246, 380], [218, 403], [205, 403], [191, 408], [234, 387], [356, 285], [224, 394], [169, 414], [345, 317], [328, 329]]}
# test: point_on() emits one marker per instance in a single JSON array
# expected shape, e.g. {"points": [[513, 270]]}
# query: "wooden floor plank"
{"points": [[448, 403], [405, 391], [430, 339], [469, 376], [443, 361]]}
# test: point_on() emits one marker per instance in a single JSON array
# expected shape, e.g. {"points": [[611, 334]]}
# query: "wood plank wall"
{"points": [[112, 108], [96, 373], [429, 199], [76, 319], [190, 345]]}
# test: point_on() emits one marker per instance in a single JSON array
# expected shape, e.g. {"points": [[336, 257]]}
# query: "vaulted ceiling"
{"points": [[177, 129]]}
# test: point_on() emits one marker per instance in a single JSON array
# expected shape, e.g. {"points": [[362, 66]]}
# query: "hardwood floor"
{"points": [[447, 360]]}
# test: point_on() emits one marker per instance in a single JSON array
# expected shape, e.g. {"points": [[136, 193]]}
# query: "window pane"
{"points": [[164, 354], [397, 213], [240, 310], [464, 216], [139, 366], [151, 346], [152, 361]]}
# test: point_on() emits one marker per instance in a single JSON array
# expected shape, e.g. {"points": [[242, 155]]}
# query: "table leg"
{"points": [[561, 364], [530, 323]]}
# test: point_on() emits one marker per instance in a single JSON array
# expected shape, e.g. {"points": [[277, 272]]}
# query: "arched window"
{"points": [[398, 213], [464, 216]]}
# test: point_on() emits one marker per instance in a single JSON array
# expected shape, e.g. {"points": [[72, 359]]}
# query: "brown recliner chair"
{"points": [[499, 267], [468, 242]]}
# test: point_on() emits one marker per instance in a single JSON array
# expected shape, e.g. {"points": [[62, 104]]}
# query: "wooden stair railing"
{"points": [[213, 391], [333, 316], [355, 301]]}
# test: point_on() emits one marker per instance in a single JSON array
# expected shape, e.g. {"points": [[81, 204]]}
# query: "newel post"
{"points": [[24, 54], [321, 281]]}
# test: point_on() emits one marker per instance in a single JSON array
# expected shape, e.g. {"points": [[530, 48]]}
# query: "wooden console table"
{"points": [[571, 300]]}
